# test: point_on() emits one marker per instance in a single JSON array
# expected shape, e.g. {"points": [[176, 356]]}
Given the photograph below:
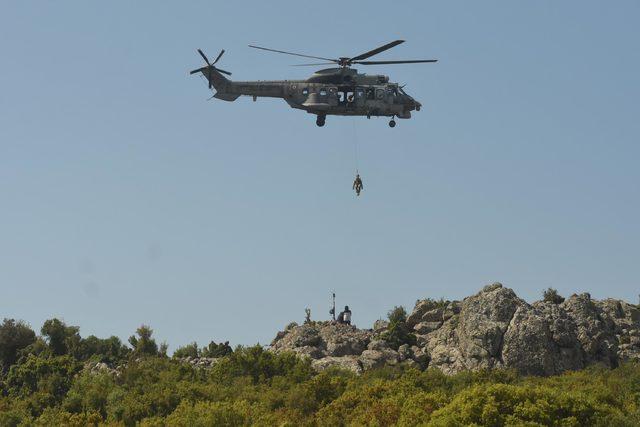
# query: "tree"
{"points": [[217, 350], [189, 350], [14, 336], [49, 378], [62, 339], [109, 350], [552, 296], [143, 344]]}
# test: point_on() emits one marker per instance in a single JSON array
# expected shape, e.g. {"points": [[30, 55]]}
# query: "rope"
{"points": [[355, 143]]}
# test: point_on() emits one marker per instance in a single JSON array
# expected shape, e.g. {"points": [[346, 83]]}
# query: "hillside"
{"points": [[490, 359]]}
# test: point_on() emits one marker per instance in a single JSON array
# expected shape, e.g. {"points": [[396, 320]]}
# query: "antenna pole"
{"points": [[333, 307]]}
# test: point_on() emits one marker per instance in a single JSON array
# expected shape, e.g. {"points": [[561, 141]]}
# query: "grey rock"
{"points": [[426, 310], [350, 363], [371, 359], [424, 328], [420, 357], [528, 344], [595, 330], [405, 352], [310, 351], [320, 339], [380, 326], [378, 345], [491, 329], [343, 340]]}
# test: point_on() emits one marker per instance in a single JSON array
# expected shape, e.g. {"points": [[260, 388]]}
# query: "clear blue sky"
{"points": [[127, 198]]}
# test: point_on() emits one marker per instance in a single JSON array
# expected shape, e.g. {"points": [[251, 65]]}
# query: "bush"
{"points": [[189, 350], [398, 333], [217, 350], [255, 386], [552, 296]]}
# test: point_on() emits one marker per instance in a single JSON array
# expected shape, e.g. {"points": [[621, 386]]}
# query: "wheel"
{"points": [[392, 123], [320, 120]]}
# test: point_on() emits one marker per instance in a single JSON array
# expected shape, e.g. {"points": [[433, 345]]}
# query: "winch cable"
{"points": [[355, 143]]}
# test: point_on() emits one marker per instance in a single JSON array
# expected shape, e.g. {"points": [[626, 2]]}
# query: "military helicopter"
{"points": [[340, 91]]}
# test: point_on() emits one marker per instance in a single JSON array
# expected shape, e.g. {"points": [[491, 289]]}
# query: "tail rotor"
{"points": [[210, 66]]}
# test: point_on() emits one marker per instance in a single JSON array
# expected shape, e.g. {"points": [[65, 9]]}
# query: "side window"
{"points": [[323, 92], [305, 91], [379, 93], [359, 93]]}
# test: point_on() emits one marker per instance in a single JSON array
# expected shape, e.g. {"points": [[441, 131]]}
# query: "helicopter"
{"points": [[340, 91]]}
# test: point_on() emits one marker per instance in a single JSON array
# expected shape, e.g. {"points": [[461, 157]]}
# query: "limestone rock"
{"points": [[350, 363], [528, 344], [595, 330], [380, 326], [320, 339], [424, 328], [370, 359], [378, 345], [491, 329]]}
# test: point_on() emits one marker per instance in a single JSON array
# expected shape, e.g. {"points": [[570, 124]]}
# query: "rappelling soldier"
{"points": [[357, 184]]}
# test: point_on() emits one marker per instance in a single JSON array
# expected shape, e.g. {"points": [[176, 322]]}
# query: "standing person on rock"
{"points": [[345, 316]]}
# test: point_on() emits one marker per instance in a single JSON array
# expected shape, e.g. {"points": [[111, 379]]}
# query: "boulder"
{"points": [[419, 356], [349, 363], [424, 328], [344, 340], [371, 359], [427, 310], [320, 339], [378, 345], [528, 344], [595, 330]]}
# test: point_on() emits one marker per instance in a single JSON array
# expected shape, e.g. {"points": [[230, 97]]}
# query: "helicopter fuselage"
{"points": [[333, 91]]}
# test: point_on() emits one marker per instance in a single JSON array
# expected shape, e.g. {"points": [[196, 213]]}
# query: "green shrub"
{"points": [[552, 296], [189, 350], [398, 333], [255, 386]]}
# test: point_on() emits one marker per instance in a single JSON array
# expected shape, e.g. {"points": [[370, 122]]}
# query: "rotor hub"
{"points": [[344, 61]]}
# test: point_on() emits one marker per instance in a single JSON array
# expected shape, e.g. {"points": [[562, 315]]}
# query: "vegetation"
{"points": [[49, 381], [552, 296], [398, 332], [212, 350]]}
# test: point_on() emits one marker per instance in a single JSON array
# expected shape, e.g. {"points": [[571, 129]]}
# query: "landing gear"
{"points": [[392, 123], [320, 120]]}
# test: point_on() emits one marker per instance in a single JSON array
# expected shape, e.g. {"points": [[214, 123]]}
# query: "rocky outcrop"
{"points": [[491, 329]]}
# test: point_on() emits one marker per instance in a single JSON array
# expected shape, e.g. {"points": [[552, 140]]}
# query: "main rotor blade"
{"points": [[417, 61], [222, 71], [295, 54], [204, 57], [376, 51], [198, 70], [309, 65], [219, 55]]}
